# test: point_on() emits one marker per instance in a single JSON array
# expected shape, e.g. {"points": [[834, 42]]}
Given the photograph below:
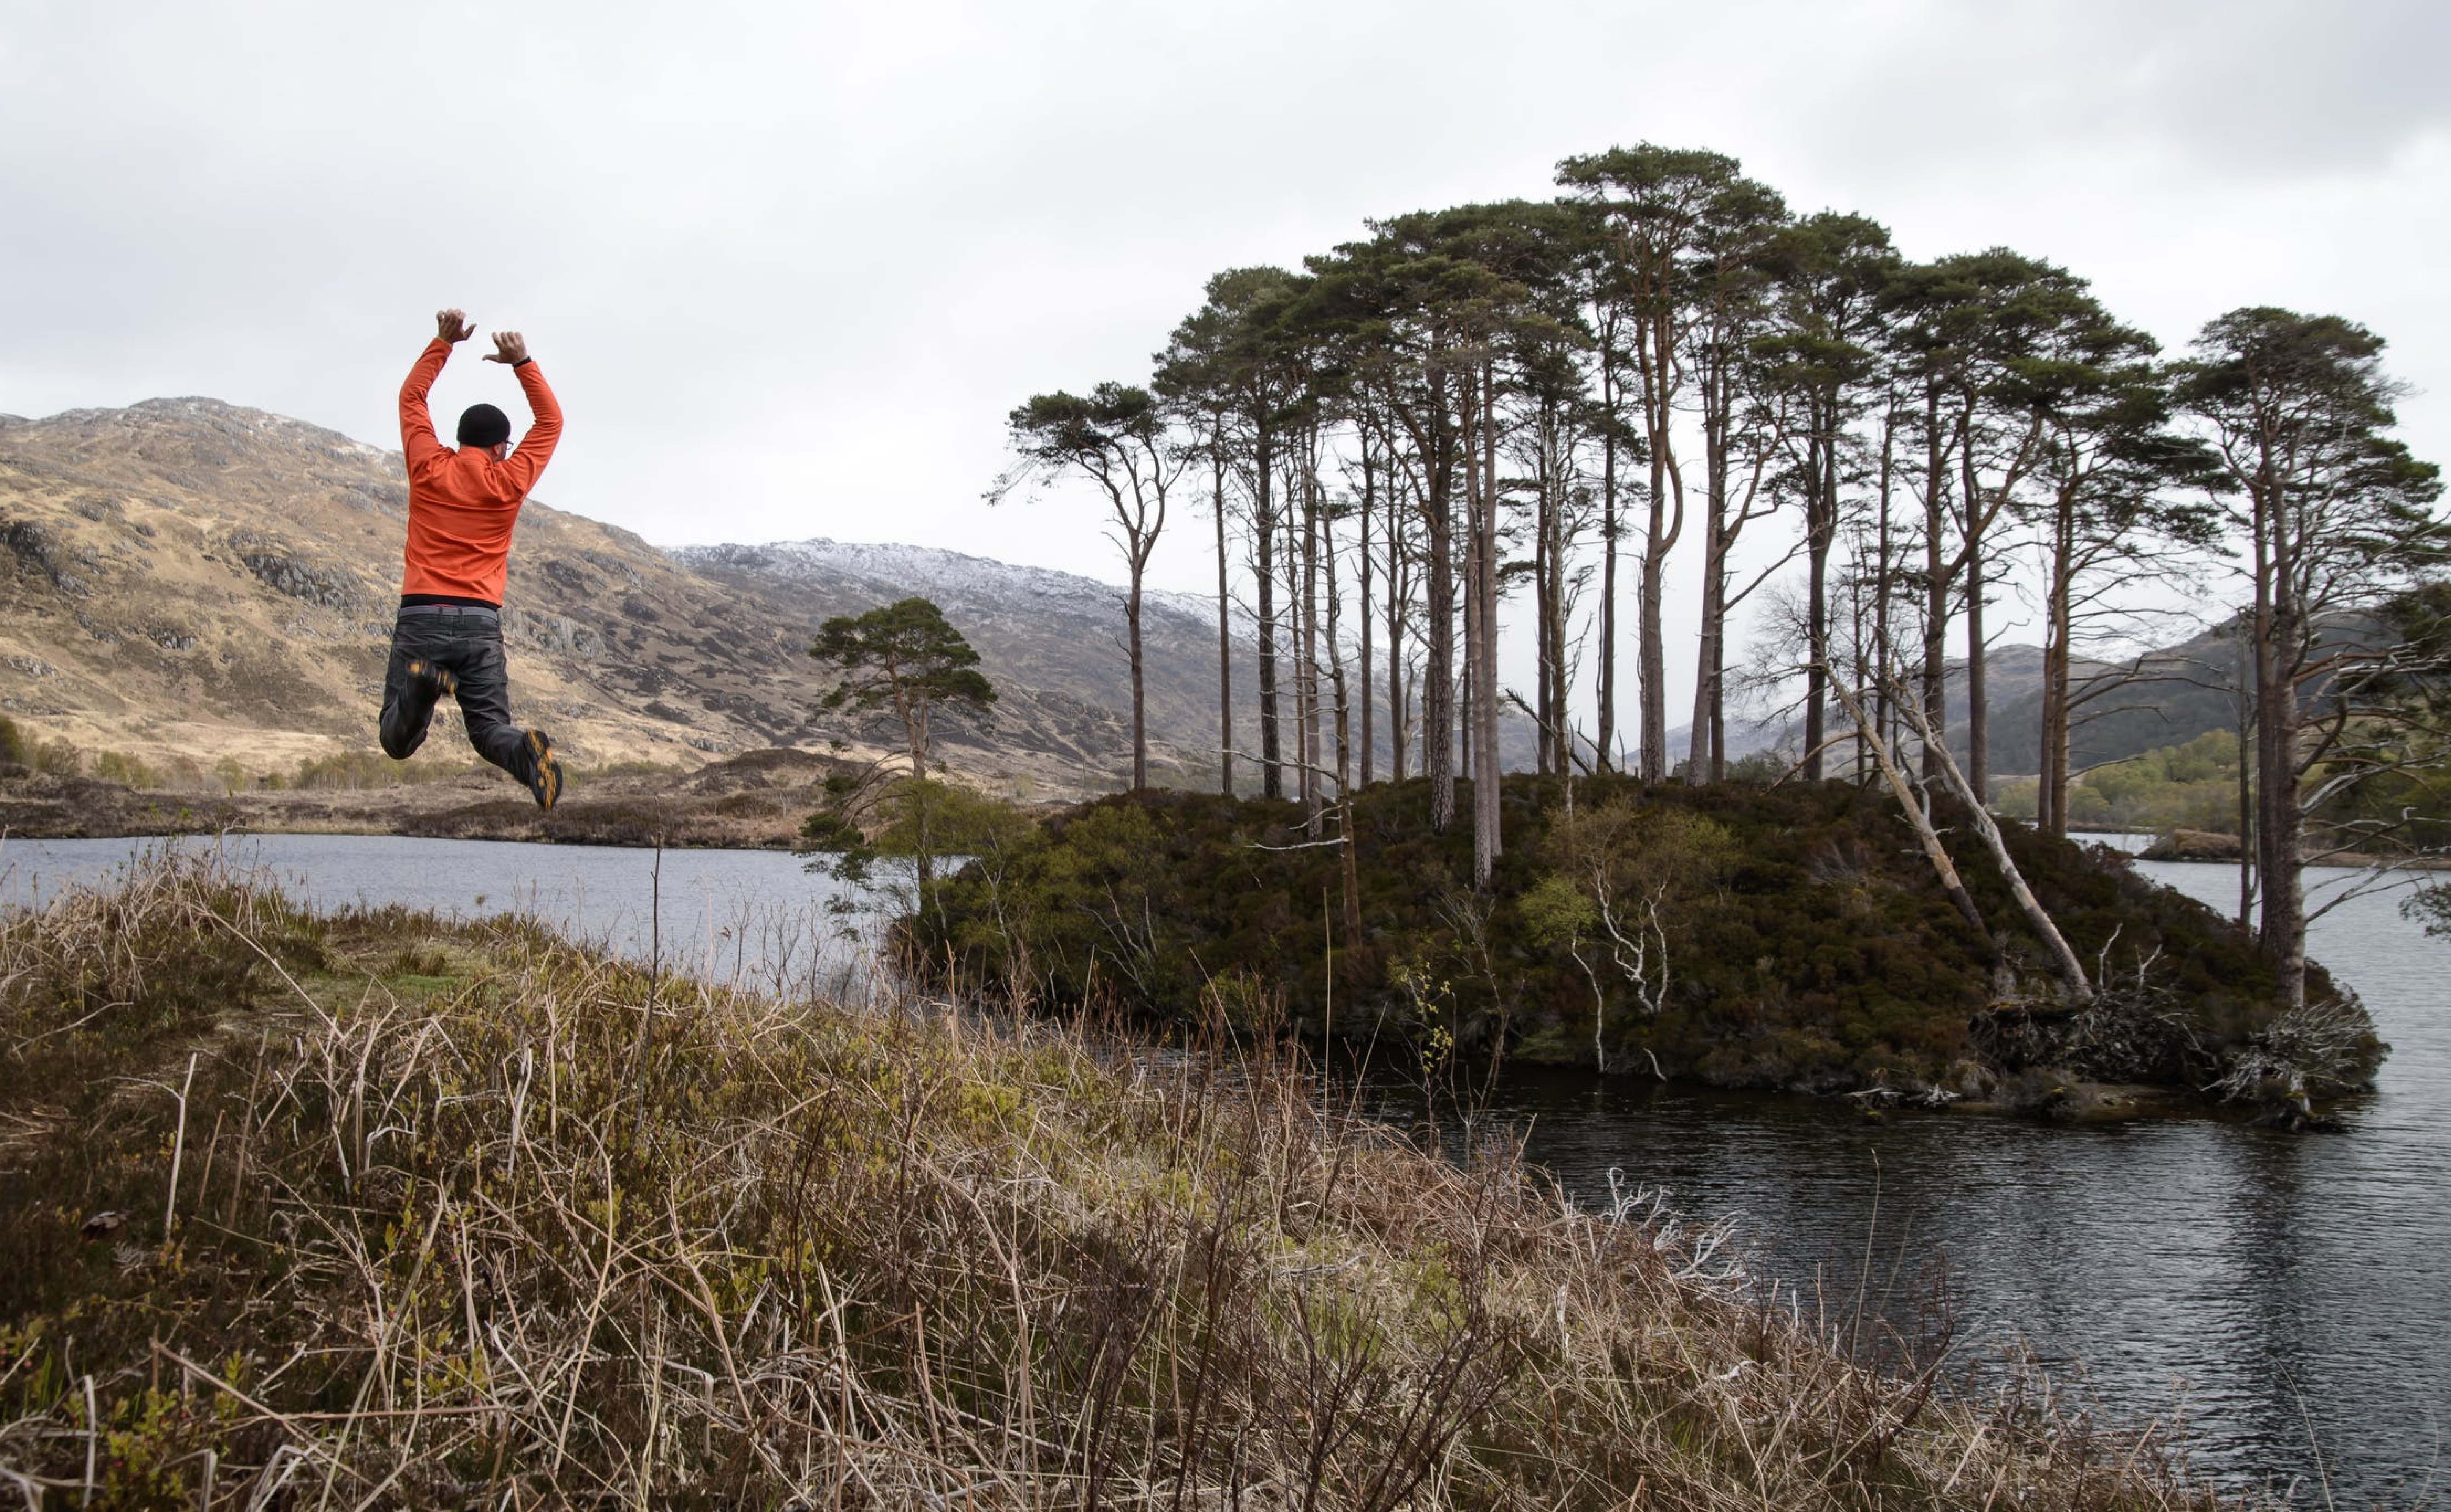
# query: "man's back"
{"points": [[463, 503]]}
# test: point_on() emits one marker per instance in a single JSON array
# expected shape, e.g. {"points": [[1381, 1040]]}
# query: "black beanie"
{"points": [[483, 425]]}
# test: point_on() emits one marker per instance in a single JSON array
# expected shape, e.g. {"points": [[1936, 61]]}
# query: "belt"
{"points": [[480, 611]]}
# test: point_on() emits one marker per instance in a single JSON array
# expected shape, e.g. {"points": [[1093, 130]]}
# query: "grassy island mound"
{"points": [[1788, 938], [365, 1210]]}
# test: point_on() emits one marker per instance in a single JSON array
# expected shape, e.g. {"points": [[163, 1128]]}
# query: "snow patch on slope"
{"points": [[955, 580]]}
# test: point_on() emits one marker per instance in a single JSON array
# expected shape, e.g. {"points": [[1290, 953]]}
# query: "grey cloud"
{"points": [[777, 255]]}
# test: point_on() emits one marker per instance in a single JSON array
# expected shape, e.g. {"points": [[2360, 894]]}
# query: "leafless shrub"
{"points": [[2136, 1027], [2311, 1051]]}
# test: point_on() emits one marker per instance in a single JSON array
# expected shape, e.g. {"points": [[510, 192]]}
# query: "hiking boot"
{"points": [[437, 681], [545, 773]]}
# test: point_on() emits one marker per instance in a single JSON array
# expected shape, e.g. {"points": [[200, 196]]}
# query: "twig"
{"points": [[177, 1149]]}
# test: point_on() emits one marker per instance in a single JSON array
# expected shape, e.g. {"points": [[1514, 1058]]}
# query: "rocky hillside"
{"points": [[1051, 641], [190, 579], [2168, 697]]}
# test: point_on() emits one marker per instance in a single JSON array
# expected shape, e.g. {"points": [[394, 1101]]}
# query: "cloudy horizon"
{"points": [[789, 269]]}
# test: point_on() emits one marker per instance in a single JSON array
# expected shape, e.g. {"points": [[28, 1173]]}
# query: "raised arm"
{"points": [[417, 437], [519, 474]]}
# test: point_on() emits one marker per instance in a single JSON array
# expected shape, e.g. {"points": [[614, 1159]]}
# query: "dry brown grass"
{"points": [[465, 1216]]}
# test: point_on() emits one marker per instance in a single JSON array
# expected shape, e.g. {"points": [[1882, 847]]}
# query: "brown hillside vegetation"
{"points": [[756, 799], [186, 578], [369, 1211]]}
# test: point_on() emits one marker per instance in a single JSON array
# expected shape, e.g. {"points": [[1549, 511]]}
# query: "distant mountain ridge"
{"points": [[2167, 696], [189, 578], [952, 579]]}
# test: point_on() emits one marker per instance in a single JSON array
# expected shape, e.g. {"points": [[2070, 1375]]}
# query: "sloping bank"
{"points": [[1791, 937], [366, 1210]]}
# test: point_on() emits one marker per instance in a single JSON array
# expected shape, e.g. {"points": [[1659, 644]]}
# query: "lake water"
{"points": [[746, 917], [2284, 1296], [2281, 1294]]}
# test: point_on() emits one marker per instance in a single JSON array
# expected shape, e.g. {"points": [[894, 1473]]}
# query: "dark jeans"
{"points": [[468, 644]]}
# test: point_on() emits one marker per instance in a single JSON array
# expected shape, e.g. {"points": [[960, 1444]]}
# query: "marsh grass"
{"points": [[407, 1214]]}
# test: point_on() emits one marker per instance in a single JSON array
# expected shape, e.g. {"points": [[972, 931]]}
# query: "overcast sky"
{"points": [[788, 267]]}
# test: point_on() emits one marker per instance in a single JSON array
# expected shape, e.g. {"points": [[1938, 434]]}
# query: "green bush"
{"points": [[128, 771], [361, 768], [55, 756], [2188, 787]]}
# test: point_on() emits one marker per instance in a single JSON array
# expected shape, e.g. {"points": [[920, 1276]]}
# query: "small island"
{"points": [[1790, 938]]}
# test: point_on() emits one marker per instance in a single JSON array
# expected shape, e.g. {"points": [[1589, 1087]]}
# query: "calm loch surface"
{"points": [[2286, 1295]]}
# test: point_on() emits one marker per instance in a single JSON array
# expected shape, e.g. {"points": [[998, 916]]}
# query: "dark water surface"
{"points": [[2286, 1295]]}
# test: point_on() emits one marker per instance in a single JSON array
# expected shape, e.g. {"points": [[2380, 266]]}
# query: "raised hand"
{"points": [[452, 326], [509, 346]]}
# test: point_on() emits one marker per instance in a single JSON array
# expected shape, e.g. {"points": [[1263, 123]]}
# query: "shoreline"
{"points": [[755, 800], [752, 801]]}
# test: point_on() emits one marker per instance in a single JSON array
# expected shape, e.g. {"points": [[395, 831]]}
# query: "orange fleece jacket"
{"points": [[462, 502]]}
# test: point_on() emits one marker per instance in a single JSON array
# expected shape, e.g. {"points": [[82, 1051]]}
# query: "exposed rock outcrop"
{"points": [[2192, 844]]}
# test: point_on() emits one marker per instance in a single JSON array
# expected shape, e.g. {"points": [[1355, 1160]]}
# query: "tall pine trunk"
{"points": [[1399, 702], [2279, 824], [1658, 538], [1369, 508], [1714, 574], [1487, 845], [1140, 702], [1349, 869], [1263, 535], [1935, 593], [1224, 627], [1821, 530], [1439, 674], [1543, 651], [1978, 703], [1314, 797], [1978, 713], [1884, 583], [1706, 659], [1557, 480], [1605, 737], [2051, 780]]}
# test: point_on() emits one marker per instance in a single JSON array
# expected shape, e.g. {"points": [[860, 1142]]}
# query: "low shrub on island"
{"points": [[1788, 938], [369, 1210]]}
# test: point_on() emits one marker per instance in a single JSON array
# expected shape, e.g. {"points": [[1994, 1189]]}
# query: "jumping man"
{"points": [[462, 505]]}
